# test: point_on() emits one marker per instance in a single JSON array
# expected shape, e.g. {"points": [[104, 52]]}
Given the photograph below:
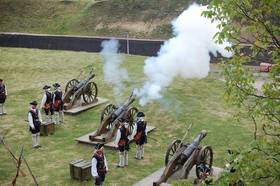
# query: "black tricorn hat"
{"points": [[46, 87], [56, 85], [33, 103], [140, 114], [1, 79], [99, 146]]}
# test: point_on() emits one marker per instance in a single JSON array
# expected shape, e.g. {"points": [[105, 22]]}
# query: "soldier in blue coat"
{"points": [[140, 135], [58, 104], [99, 166], [122, 142], [47, 103], [3, 96], [34, 120]]}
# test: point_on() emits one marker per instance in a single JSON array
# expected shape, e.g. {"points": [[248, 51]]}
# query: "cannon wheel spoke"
{"points": [[172, 148], [205, 158], [90, 93], [131, 117], [71, 84], [107, 111]]}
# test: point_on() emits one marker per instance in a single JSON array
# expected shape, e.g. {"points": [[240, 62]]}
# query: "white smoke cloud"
{"points": [[186, 55], [114, 74]]}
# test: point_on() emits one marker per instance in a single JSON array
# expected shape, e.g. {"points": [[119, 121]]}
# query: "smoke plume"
{"points": [[186, 55], [114, 74]]}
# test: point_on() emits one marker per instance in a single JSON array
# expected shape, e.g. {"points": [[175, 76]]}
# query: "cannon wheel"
{"points": [[205, 157], [171, 150], [71, 84], [90, 93], [106, 112], [131, 117]]}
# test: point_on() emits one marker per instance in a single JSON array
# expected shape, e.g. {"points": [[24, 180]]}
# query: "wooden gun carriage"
{"points": [[111, 118], [75, 89], [183, 157]]}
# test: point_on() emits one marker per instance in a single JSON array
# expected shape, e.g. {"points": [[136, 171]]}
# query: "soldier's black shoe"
{"points": [[118, 166], [37, 146]]}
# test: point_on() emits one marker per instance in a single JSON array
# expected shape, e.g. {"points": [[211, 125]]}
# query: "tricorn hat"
{"points": [[140, 114], [56, 85], [99, 146], [1, 79], [46, 87], [33, 103]]}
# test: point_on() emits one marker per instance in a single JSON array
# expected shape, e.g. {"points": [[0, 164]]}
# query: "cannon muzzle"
{"points": [[85, 81]]}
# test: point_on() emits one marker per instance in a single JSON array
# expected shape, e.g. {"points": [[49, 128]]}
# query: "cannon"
{"points": [[75, 89], [183, 157], [110, 120]]}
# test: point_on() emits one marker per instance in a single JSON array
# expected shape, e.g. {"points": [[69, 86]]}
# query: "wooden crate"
{"points": [[80, 170], [47, 129]]}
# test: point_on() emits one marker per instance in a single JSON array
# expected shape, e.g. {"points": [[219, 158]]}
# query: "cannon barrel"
{"points": [[119, 113], [124, 107], [189, 150], [113, 118], [85, 81], [74, 92]]}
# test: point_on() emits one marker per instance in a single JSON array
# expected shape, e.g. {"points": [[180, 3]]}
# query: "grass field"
{"points": [[140, 19], [194, 101]]}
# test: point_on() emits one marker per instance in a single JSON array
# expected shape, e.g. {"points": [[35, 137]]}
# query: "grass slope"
{"points": [[194, 101], [142, 18]]}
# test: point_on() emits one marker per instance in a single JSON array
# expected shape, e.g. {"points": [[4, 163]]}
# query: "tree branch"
{"points": [[255, 95], [269, 134], [270, 31], [255, 127]]}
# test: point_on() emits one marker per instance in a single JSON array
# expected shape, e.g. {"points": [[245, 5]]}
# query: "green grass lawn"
{"points": [[141, 18], [187, 101]]}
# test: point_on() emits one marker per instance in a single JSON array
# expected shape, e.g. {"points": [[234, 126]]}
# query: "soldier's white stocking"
{"points": [[142, 151], [53, 118], [38, 139], [125, 158], [56, 118], [48, 118], [34, 140], [138, 152], [1, 108], [61, 116], [121, 162]]}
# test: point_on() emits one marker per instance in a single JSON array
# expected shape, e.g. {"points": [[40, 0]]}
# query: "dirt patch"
{"points": [[138, 26]]}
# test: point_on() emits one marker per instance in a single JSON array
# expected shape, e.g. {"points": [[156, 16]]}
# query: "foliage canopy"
{"points": [[253, 28]]}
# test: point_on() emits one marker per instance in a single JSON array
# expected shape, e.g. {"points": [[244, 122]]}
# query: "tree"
{"points": [[253, 26]]}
